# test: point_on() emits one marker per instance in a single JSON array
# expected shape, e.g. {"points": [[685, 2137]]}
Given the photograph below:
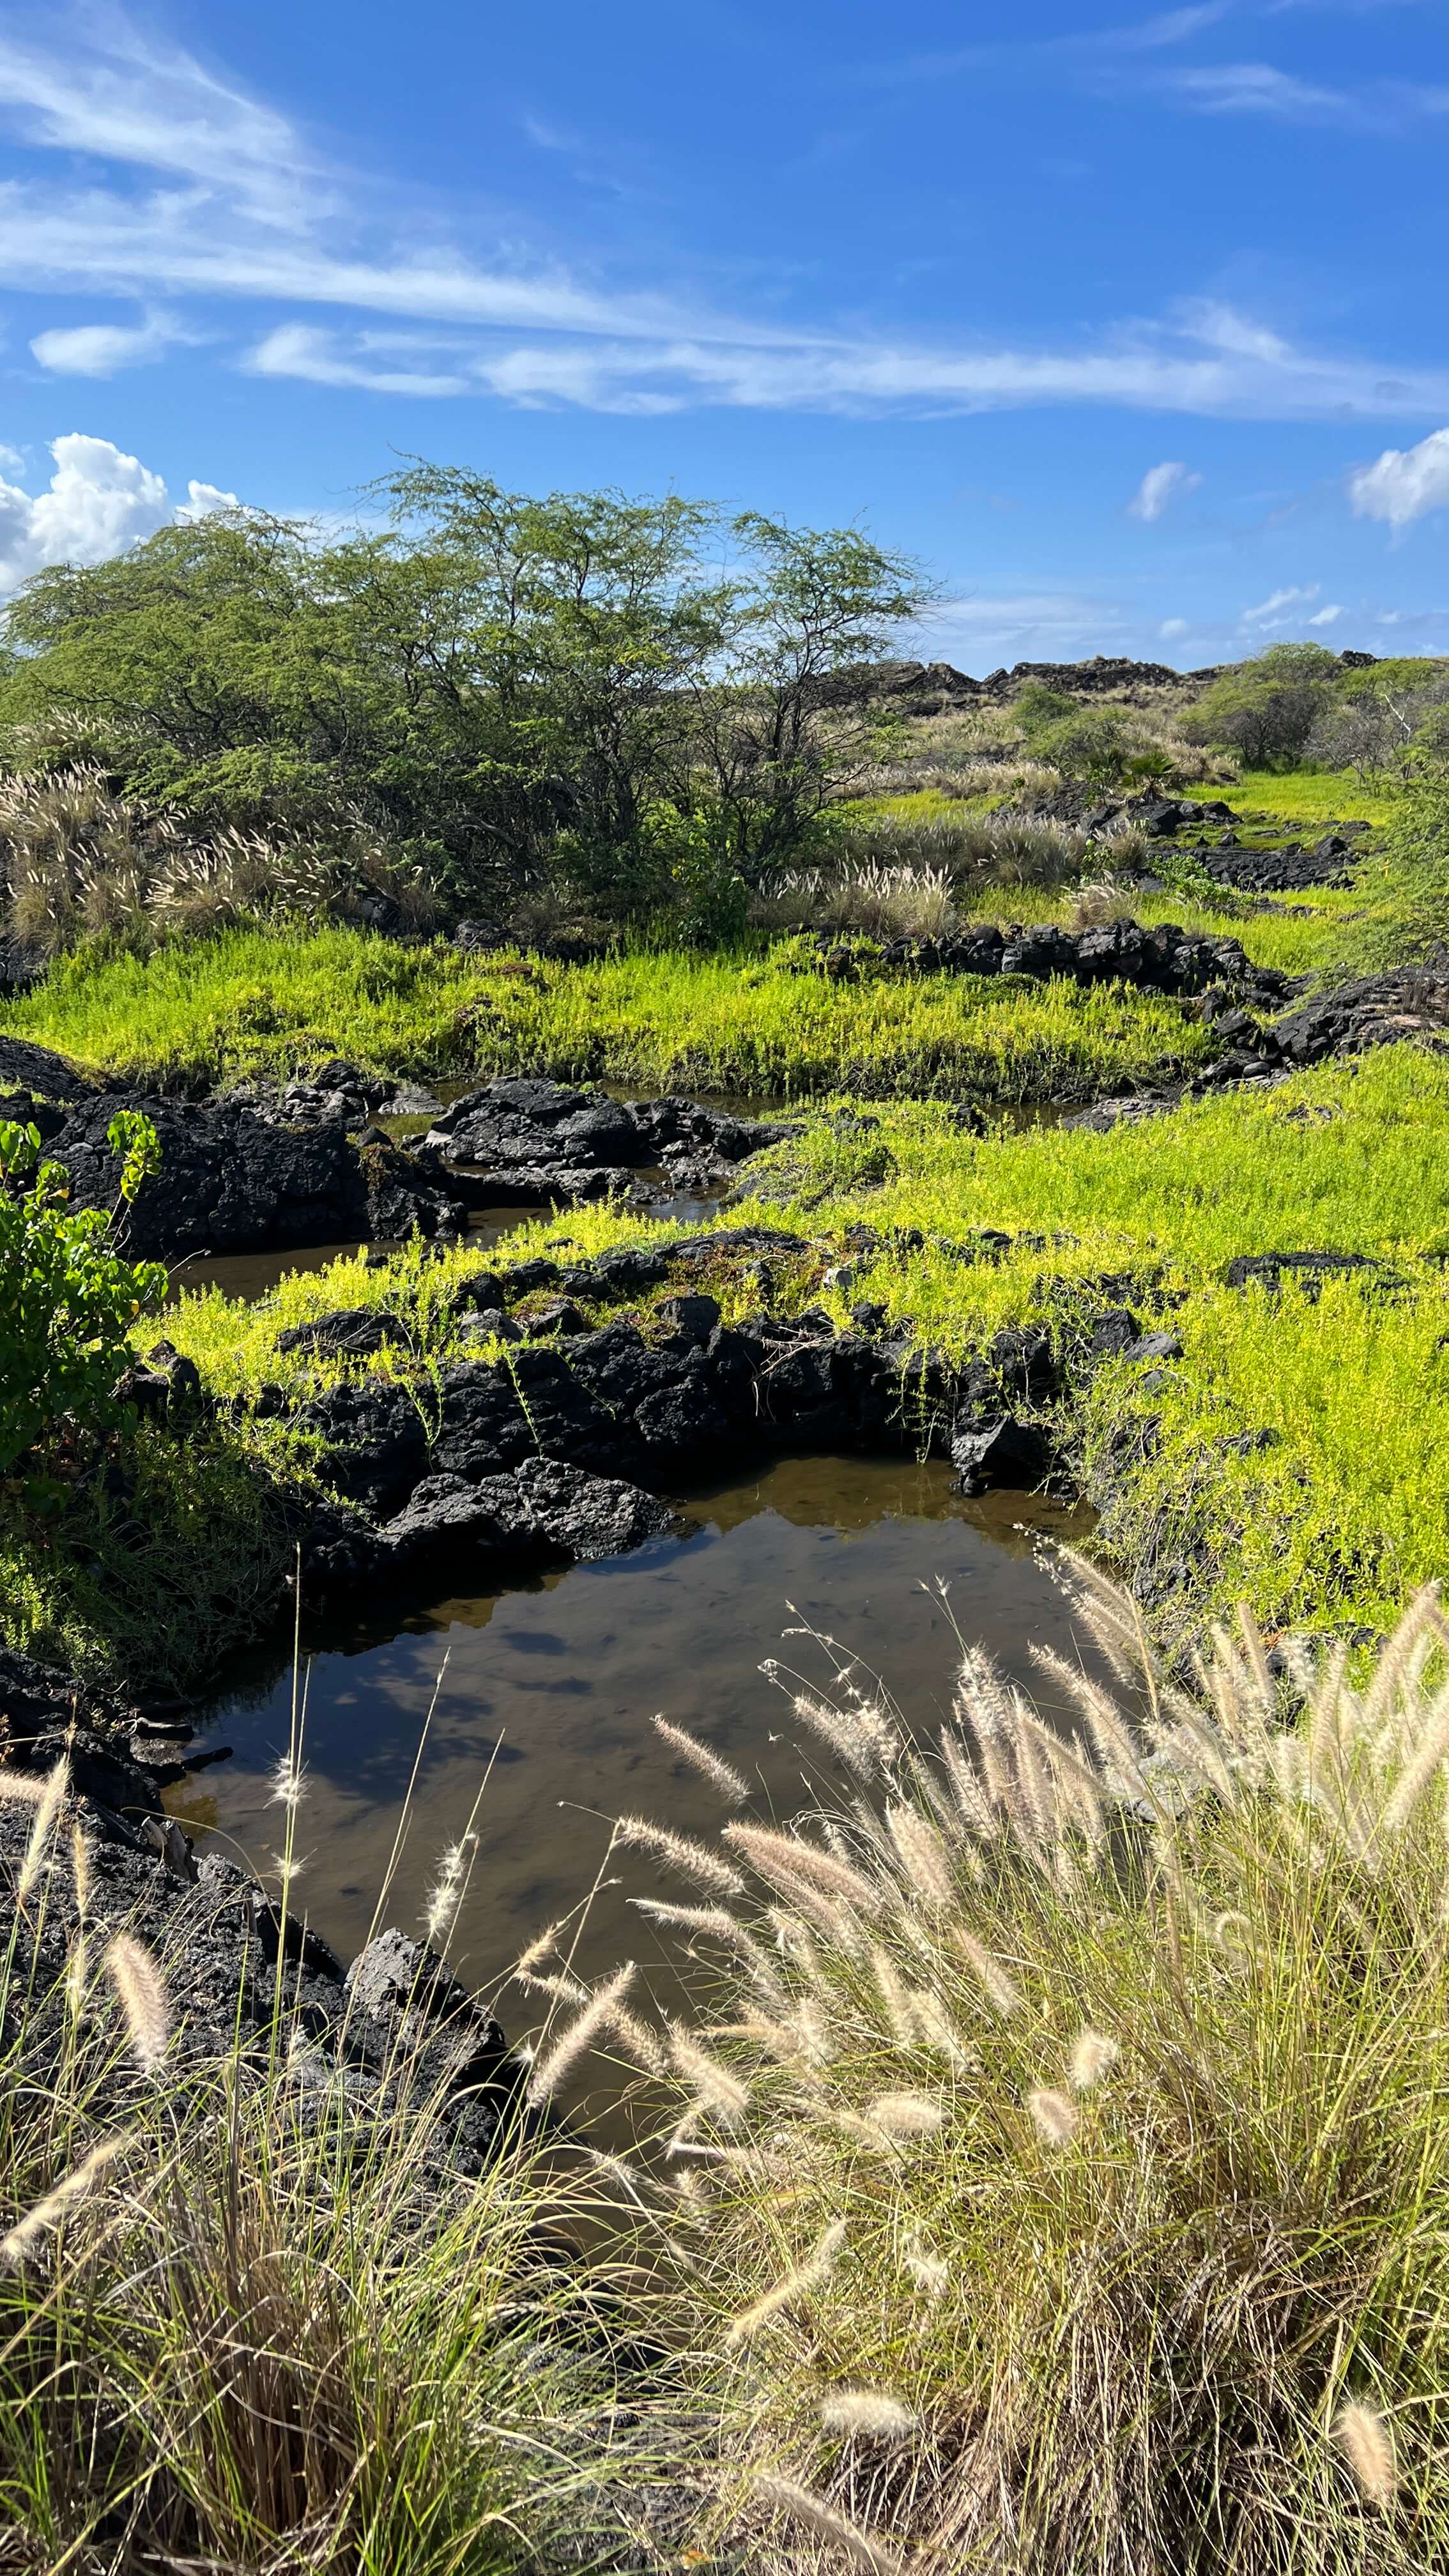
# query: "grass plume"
{"points": [[144, 2001]]}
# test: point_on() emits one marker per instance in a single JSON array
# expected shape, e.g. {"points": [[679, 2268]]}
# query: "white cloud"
{"points": [[1269, 611], [1171, 628], [1019, 626], [103, 348], [98, 502], [1328, 616], [1405, 483], [297, 349], [202, 499], [188, 187], [1260, 89], [104, 90], [1159, 485]]}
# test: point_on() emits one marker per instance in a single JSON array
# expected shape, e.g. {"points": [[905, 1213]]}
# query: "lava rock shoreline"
{"points": [[263, 1170], [575, 1446], [395, 2021]]}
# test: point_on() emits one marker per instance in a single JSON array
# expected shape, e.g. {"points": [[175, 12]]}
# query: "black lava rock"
{"points": [[227, 1181], [374, 1448], [1001, 1451]]}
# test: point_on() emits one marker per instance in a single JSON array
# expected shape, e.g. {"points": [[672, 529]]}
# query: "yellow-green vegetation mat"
{"points": [[255, 1001], [1344, 1508], [1297, 1453], [1309, 796]]}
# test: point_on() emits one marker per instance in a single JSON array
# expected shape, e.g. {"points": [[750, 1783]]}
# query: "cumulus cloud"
{"points": [[1159, 485], [1405, 483], [104, 348], [98, 502], [1171, 628]]}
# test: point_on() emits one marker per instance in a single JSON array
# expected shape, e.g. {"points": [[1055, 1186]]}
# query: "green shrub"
{"points": [[1266, 709], [68, 1298], [1092, 742], [498, 689], [1036, 706], [1407, 918]]}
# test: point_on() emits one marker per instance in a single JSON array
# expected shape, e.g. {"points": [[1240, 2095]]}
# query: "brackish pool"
{"points": [[554, 1683], [250, 1275]]}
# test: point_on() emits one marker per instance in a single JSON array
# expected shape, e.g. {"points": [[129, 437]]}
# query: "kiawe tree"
{"points": [[1266, 709], [588, 689]]}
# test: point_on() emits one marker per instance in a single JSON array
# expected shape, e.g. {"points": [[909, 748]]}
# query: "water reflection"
{"points": [[554, 1684]]}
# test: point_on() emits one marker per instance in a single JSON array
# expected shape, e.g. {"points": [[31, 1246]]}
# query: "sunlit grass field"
{"points": [[1318, 796], [1332, 1519], [256, 1001]]}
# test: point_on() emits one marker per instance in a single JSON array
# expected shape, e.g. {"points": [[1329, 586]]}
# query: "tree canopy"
{"points": [[501, 686]]}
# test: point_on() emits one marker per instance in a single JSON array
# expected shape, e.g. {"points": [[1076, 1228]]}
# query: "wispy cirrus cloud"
{"points": [[1285, 607], [188, 189], [1261, 89], [1161, 485]]}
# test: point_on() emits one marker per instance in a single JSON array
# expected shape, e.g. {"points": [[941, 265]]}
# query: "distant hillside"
{"points": [[930, 688]]}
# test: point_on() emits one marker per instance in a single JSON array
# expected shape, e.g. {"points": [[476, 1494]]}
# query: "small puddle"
{"points": [[555, 1683]]}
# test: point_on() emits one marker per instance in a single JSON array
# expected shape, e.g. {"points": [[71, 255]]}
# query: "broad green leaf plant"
{"points": [[68, 1295]]}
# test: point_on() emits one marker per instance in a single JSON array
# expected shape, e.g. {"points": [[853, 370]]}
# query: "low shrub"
{"points": [[1267, 709]]}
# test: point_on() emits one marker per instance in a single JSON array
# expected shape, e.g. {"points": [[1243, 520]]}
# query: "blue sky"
{"points": [[1131, 326]]}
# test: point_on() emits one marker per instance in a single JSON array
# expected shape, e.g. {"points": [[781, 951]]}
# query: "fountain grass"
{"points": [[1050, 2168], [244, 2324], [1086, 2208]]}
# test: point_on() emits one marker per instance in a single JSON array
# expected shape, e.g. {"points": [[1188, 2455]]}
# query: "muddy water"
{"points": [[554, 1685]]}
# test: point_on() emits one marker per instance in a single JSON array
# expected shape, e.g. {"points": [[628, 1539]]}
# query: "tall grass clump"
{"points": [[1082, 2199], [79, 860], [254, 2314], [973, 850]]}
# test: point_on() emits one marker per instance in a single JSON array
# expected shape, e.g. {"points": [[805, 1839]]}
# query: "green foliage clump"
{"points": [[1407, 920], [509, 692], [68, 1297], [1266, 709], [1092, 742]]}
